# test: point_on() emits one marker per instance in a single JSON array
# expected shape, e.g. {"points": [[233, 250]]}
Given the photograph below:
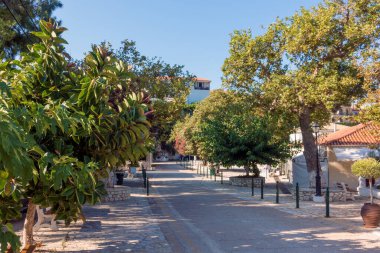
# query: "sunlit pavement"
{"points": [[197, 217]]}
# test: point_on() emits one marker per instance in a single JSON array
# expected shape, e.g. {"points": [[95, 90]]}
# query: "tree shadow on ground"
{"points": [[234, 224]]}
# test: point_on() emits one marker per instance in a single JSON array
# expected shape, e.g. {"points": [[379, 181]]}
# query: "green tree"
{"points": [[167, 86], [367, 168], [14, 38], [309, 64], [228, 129], [15, 170], [78, 123]]}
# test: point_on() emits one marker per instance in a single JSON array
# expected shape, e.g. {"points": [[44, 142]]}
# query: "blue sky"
{"points": [[193, 33]]}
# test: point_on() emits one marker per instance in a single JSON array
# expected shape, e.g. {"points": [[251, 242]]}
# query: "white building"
{"points": [[199, 91]]}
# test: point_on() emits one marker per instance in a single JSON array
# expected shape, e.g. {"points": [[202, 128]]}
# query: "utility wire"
{"points": [[30, 17], [14, 17]]}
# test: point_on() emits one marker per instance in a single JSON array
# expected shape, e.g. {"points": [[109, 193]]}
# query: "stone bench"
{"points": [[45, 219]]}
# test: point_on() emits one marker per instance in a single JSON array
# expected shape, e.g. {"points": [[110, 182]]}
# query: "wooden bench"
{"points": [[350, 194]]}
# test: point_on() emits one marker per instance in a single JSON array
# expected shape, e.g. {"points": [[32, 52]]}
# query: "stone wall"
{"points": [[246, 181], [117, 193], [307, 194]]}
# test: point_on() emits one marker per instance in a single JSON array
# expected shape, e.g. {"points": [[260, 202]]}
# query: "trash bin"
{"points": [[212, 172]]}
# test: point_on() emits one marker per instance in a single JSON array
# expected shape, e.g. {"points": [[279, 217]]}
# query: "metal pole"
{"points": [[147, 186], [318, 176], [262, 188], [252, 187], [277, 193], [221, 177], [144, 177], [207, 172], [327, 202], [297, 196], [214, 175]]}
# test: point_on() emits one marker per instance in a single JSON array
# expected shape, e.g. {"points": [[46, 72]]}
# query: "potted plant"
{"points": [[368, 168]]}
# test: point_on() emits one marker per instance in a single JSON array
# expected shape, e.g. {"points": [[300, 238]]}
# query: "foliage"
{"points": [[370, 108], [227, 129], [15, 164], [309, 64], [167, 85], [242, 140], [179, 138], [63, 126], [121, 129], [14, 38], [367, 168]]}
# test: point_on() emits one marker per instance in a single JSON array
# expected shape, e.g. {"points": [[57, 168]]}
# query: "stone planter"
{"points": [[118, 193], [307, 194], [246, 181]]}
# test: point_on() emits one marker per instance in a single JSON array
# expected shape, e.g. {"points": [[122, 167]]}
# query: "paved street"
{"points": [[202, 218], [188, 213]]}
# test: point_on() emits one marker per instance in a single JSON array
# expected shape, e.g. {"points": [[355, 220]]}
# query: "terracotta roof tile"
{"points": [[359, 135], [201, 79]]}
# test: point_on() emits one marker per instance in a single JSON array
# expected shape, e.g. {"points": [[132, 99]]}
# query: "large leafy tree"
{"points": [[167, 85], [242, 139], [15, 170], [308, 64], [73, 125], [227, 128], [15, 37], [121, 132]]}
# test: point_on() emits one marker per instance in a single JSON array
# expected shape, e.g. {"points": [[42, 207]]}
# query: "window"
{"points": [[201, 86]]}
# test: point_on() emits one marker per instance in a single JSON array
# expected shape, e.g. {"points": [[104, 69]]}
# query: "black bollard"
{"points": [[221, 177], [262, 188], [147, 186], [215, 176], [253, 187], [277, 193], [327, 202], [144, 177], [297, 196]]}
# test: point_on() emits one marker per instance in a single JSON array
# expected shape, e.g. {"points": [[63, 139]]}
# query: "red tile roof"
{"points": [[359, 135], [201, 79]]}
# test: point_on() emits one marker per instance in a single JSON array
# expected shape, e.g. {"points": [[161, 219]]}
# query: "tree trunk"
{"points": [[27, 233], [370, 190], [310, 148]]}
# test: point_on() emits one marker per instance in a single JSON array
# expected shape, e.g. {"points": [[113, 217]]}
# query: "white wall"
{"points": [[197, 95]]}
